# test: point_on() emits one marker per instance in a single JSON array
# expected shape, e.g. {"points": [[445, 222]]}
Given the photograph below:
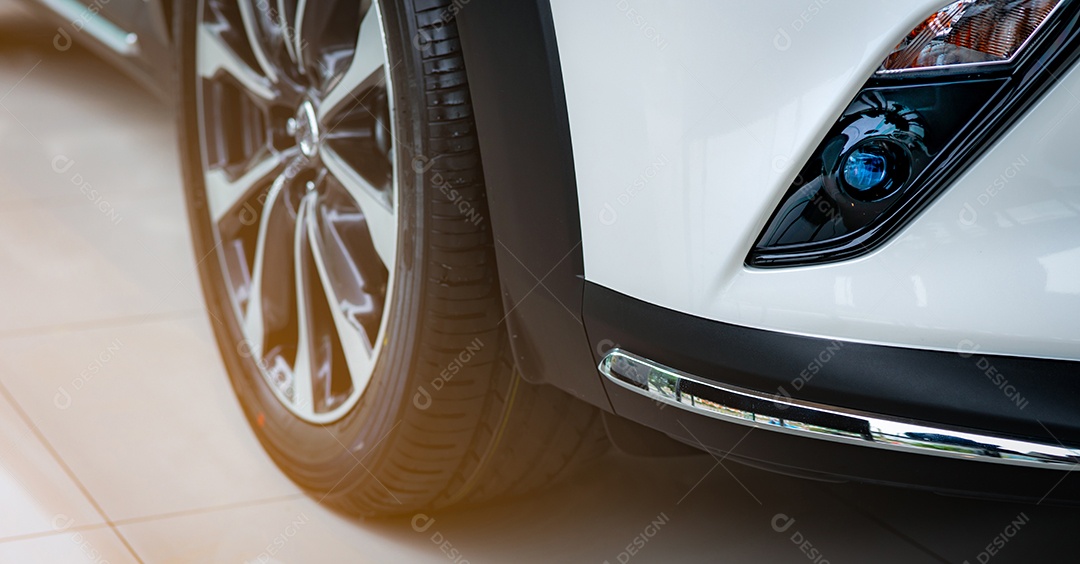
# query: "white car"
{"points": [[451, 248]]}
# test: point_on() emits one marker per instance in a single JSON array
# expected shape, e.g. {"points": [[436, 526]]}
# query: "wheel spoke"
{"points": [[365, 69], [303, 396], [225, 194], [290, 30], [256, 39], [356, 344], [254, 326], [215, 56], [296, 34], [378, 212]]}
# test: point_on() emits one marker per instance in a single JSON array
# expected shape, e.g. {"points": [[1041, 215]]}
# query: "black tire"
{"points": [[411, 443]]}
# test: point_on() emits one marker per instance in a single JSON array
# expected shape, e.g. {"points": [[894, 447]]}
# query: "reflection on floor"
{"points": [[120, 439]]}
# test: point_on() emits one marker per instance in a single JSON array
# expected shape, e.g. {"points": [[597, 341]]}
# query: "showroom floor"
{"points": [[120, 439]]}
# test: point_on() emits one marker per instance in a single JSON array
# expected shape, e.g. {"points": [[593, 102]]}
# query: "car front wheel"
{"points": [[338, 212]]}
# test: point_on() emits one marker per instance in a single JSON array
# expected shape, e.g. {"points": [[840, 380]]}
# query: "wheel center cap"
{"points": [[307, 129]]}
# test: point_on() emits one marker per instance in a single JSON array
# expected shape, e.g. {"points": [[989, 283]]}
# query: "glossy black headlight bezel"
{"points": [[1017, 85]]}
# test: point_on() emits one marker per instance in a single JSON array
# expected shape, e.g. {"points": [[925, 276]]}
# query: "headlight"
{"points": [[971, 32], [939, 100]]}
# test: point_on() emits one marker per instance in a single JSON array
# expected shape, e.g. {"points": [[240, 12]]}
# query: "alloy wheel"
{"points": [[294, 108]]}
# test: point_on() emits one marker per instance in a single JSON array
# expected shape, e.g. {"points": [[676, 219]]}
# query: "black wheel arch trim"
{"points": [[524, 132]]}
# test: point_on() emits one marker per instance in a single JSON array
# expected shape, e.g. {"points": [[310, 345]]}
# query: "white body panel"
{"points": [[690, 119]]}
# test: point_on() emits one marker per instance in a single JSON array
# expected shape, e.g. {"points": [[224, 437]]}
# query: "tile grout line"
{"points": [[134, 319], [72, 200], [67, 469], [46, 534], [208, 510], [158, 517]]}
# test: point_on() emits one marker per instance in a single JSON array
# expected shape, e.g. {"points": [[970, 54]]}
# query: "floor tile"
{"points": [[143, 414], [36, 496], [285, 532], [99, 546], [624, 509], [70, 263], [69, 152]]}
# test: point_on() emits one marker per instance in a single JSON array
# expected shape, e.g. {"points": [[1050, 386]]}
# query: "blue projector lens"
{"points": [[866, 169]]}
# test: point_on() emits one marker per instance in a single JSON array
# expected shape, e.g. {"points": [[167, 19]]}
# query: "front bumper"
{"points": [[811, 406]]}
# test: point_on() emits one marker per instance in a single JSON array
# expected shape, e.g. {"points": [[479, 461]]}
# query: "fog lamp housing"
{"points": [[875, 170], [939, 100]]}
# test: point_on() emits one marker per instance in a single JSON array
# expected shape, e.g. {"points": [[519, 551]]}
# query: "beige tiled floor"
{"points": [[120, 439], [25, 464]]}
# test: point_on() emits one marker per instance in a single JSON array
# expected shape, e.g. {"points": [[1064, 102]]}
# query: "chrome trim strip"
{"points": [[86, 18], [806, 419]]}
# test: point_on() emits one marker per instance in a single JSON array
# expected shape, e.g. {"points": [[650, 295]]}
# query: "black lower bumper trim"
{"points": [[951, 390], [822, 422]]}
